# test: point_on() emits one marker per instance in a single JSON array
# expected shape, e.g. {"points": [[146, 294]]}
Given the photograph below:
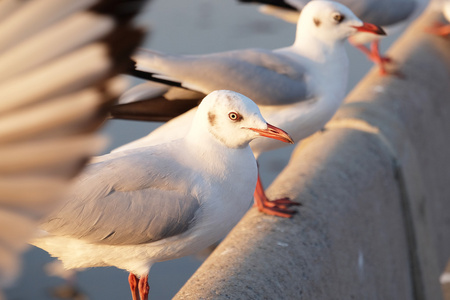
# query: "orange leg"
{"points": [[439, 29], [144, 288], [277, 207], [133, 281], [374, 55]]}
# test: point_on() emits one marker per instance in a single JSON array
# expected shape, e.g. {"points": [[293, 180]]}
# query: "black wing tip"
{"points": [[151, 77], [121, 43], [157, 109], [121, 10], [278, 3]]}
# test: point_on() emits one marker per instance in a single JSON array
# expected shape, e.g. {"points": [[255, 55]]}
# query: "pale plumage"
{"points": [[392, 15], [446, 9], [298, 87], [380, 12], [133, 208], [441, 29]]}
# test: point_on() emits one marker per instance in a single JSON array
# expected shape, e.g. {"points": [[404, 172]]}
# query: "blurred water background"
{"points": [[183, 27]]}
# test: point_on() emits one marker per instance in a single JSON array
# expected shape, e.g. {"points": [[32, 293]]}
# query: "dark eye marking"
{"points": [[338, 18], [317, 22], [211, 118], [234, 116]]}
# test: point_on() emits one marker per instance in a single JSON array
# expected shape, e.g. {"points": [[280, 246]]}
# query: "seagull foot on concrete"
{"points": [[381, 61], [278, 207], [439, 29]]}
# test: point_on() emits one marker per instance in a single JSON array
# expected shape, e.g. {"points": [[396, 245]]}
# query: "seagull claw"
{"points": [[396, 73], [278, 207], [439, 29], [277, 211], [282, 203], [143, 287]]}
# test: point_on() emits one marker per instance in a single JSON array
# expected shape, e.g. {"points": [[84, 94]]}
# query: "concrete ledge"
{"points": [[375, 221]]}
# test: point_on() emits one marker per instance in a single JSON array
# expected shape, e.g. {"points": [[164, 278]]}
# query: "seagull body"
{"points": [[299, 87], [144, 207], [284, 101], [392, 15], [150, 204]]}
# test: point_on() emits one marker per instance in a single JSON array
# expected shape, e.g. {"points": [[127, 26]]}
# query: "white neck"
{"points": [[314, 48], [222, 159], [324, 61]]}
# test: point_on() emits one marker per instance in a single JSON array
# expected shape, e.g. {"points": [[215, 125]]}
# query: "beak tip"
{"points": [[380, 31], [372, 28], [274, 133]]}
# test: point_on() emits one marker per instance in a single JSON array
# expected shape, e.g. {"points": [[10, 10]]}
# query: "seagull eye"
{"points": [[338, 18], [234, 116]]}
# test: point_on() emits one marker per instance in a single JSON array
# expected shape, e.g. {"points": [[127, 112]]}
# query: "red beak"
{"points": [[368, 27], [274, 133]]}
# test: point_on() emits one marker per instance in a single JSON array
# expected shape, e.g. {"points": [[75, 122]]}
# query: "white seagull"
{"points": [[440, 28], [299, 87], [137, 207], [392, 15], [59, 62]]}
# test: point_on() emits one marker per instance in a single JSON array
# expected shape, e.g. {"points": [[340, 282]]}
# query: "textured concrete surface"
{"points": [[375, 220], [328, 250]]}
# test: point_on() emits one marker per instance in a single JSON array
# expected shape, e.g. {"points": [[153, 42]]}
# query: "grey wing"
{"points": [[137, 206], [127, 218], [147, 102], [381, 12], [266, 77]]}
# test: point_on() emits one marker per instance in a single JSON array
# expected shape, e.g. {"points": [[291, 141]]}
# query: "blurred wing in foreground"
{"points": [[59, 61]]}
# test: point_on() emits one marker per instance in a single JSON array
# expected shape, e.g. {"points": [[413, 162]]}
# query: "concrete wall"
{"points": [[375, 188]]}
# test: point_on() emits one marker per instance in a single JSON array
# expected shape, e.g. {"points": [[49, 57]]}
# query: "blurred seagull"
{"points": [[440, 28], [392, 15], [299, 87], [58, 67], [137, 207]]}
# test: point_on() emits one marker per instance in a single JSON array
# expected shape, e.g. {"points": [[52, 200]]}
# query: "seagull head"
{"points": [[234, 120], [331, 22]]}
